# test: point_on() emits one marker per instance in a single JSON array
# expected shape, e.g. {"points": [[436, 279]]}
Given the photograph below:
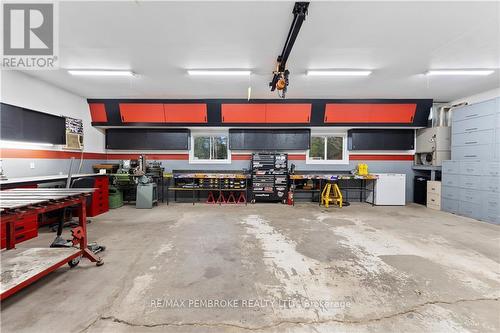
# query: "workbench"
{"points": [[26, 181], [190, 184], [324, 178], [20, 268], [99, 203]]}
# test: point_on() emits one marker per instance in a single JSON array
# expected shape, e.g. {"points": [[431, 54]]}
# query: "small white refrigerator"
{"points": [[390, 190]]}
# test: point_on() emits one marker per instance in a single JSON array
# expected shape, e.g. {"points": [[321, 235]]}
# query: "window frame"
{"points": [[324, 135], [193, 160]]}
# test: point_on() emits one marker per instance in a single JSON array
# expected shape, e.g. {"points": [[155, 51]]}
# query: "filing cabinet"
{"points": [[434, 195], [471, 179]]}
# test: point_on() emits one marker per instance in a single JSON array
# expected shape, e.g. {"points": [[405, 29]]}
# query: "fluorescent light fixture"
{"points": [[482, 72], [98, 72], [23, 145], [339, 72], [218, 72]]}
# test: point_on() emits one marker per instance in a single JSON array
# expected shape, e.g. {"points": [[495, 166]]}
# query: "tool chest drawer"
{"points": [[25, 235], [473, 138], [434, 187], [469, 209], [491, 217], [100, 198], [433, 199], [450, 180], [451, 167], [491, 207], [476, 124], [491, 201], [469, 195], [449, 205], [475, 110], [472, 152], [491, 169], [24, 228], [490, 184], [450, 192], [471, 182], [471, 168]]}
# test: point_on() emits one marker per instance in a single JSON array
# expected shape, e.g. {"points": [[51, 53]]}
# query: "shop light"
{"points": [[85, 72], [456, 72], [218, 72], [338, 72]]}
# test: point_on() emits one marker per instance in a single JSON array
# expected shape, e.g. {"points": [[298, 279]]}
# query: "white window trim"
{"points": [[192, 160], [345, 153]]}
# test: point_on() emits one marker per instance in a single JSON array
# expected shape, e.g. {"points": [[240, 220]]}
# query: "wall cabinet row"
{"points": [[163, 113], [266, 113]]}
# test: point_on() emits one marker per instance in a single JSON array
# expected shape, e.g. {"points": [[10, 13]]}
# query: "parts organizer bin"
{"points": [[269, 176]]}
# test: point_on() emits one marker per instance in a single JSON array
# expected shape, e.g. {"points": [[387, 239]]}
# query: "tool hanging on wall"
{"points": [[280, 79]]}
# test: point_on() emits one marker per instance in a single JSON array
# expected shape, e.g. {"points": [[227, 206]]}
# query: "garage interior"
{"points": [[171, 166]]}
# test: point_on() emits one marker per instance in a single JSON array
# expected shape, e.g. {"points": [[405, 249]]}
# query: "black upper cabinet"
{"points": [[147, 139], [381, 139], [21, 124], [269, 139]]}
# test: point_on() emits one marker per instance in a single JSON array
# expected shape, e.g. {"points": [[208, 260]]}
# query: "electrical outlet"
{"points": [[32, 165]]}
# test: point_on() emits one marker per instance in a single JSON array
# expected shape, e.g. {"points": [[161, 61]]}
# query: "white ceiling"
{"points": [[160, 40]]}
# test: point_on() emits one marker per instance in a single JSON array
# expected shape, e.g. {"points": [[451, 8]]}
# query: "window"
{"points": [[209, 148], [327, 149]]}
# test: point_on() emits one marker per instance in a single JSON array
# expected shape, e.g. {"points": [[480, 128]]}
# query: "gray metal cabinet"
{"points": [[485, 137], [476, 110], [471, 179], [475, 124]]}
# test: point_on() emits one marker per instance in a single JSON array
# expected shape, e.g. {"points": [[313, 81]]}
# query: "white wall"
{"points": [[23, 90]]}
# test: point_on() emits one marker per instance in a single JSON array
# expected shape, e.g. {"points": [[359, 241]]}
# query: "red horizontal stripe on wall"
{"points": [[58, 154], [48, 154], [381, 157], [296, 157], [236, 157]]}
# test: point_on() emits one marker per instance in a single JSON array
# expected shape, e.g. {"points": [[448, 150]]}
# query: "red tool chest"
{"points": [[100, 200], [25, 228]]}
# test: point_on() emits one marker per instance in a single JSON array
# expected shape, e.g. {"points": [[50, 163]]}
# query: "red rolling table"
{"points": [[20, 268]]}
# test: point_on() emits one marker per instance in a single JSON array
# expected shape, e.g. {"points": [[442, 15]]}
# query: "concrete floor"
{"points": [[272, 268]]}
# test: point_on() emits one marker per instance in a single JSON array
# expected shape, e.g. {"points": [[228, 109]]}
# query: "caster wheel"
{"points": [[74, 262], [100, 262]]}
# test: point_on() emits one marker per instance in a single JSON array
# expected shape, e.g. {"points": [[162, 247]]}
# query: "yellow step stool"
{"points": [[331, 194]]}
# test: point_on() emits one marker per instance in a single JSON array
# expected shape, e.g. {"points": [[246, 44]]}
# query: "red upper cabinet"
{"points": [[288, 113], [142, 113], [185, 113], [243, 113], [370, 113], [98, 112]]}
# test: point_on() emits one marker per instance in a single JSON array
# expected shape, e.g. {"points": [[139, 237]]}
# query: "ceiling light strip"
{"points": [[481, 72], [84, 72], [338, 72], [201, 72]]}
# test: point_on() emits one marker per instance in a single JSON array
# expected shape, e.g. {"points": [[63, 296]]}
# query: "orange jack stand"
{"points": [[221, 199], [231, 199], [211, 198], [242, 198]]}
